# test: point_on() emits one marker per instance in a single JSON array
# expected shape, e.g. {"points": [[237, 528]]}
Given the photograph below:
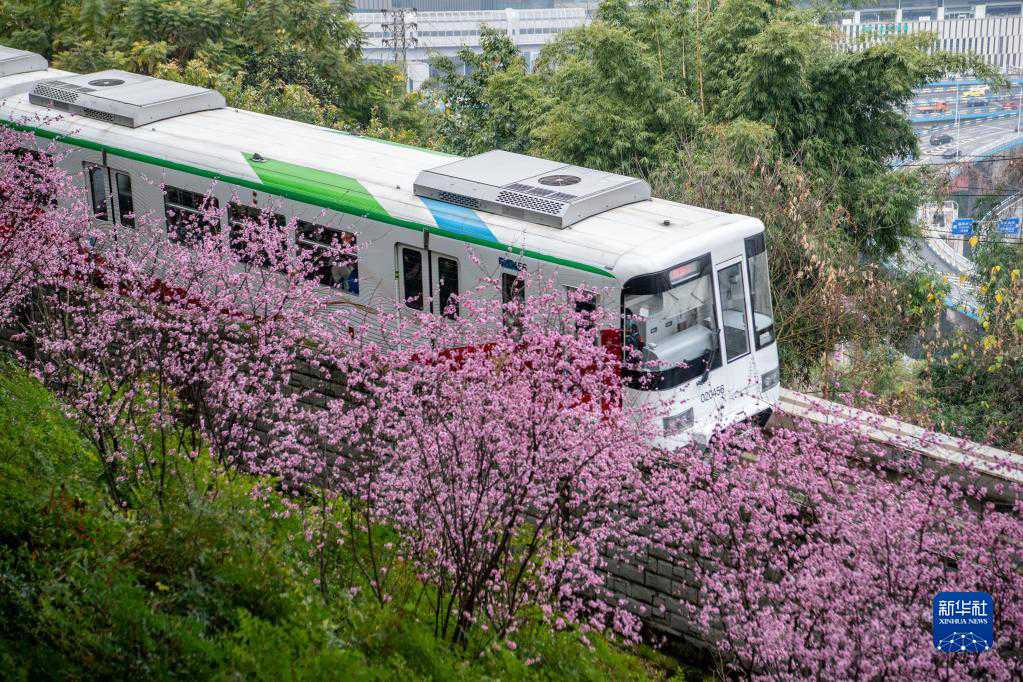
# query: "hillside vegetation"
{"points": [[211, 590]]}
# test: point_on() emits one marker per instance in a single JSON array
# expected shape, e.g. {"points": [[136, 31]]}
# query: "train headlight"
{"points": [[769, 380], [677, 423]]}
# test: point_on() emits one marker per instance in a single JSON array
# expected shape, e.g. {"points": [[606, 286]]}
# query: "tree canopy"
{"points": [[300, 59]]}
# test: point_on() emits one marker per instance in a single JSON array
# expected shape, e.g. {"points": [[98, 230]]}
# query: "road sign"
{"points": [[1009, 226], [962, 226]]}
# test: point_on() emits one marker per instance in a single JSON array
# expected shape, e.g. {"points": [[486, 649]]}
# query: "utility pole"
{"points": [[959, 148], [399, 28], [1019, 106]]}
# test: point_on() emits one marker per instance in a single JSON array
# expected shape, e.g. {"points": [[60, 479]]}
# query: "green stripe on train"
{"points": [[306, 185], [320, 186]]}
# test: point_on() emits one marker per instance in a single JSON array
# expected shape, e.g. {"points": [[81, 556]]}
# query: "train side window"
{"points": [[733, 311], [513, 290], [125, 202], [447, 286], [585, 304], [412, 277], [185, 210], [330, 271], [98, 192], [237, 215]]}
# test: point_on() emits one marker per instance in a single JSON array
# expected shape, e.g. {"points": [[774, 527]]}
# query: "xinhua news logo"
{"points": [[964, 622]]}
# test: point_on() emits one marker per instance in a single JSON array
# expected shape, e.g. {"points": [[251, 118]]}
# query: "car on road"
{"points": [[1011, 104], [940, 138], [976, 91], [977, 102], [951, 154]]}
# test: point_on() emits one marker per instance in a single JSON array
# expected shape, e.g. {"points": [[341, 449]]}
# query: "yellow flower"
{"points": [[1014, 275], [974, 241], [999, 297]]}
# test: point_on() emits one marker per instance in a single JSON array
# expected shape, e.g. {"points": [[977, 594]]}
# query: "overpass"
{"points": [[989, 134]]}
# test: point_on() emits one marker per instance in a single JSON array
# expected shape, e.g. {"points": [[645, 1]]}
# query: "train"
{"points": [[690, 286]]}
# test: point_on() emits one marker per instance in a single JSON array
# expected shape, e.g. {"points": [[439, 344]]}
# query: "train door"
{"points": [[111, 195], [428, 280], [735, 327]]}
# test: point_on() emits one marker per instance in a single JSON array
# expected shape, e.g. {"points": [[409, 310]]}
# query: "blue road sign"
{"points": [[1009, 226], [962, 226]]}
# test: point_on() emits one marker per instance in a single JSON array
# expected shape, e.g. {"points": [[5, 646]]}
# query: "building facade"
{"points": [[415, 37], [993, 31], [396, 33]]}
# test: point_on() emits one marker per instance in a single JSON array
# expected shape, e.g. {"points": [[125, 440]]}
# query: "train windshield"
{"points": [[670, 326]]}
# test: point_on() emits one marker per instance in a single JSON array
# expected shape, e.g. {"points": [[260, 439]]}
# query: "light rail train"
{"points": [[690, 285]]}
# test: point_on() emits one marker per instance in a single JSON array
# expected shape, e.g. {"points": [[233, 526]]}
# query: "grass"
{"points": [[218, 590]]}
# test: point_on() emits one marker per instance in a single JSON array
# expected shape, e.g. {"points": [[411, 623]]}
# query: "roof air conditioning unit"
{"points": [[124, 98], [528, 188], [13, 62]]}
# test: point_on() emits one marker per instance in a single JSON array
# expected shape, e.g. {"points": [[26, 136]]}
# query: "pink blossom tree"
{"points": [[39, 239], [816, 563], [497, 446], [168, 349]]}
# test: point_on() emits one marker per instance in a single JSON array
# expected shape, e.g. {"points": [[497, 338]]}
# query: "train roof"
{"points": [[363, 176], [20, 70]]}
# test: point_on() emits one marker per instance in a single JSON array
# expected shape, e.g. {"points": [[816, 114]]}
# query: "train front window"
{"points": [[670, 327], [760, 290]]}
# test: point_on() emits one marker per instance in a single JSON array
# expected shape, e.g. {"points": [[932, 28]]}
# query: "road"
{"points": [[976, 139], [992, 104]]}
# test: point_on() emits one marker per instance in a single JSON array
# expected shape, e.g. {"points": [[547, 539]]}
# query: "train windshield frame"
{"points": [[670, 330]]}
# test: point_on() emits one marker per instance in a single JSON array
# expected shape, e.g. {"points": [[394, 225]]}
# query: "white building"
{"points": [[445, 33], [994, 31], [996, 38]]}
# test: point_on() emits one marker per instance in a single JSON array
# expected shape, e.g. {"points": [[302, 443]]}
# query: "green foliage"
{"points": [[298, 59], [490, 106], [977, 379], [219, 589], [605, 103], [595, 97]]}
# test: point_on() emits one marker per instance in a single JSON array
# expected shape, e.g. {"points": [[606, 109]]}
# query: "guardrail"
{"points": [[992, 465], [945, 84], [963, 117], [950, 256]]}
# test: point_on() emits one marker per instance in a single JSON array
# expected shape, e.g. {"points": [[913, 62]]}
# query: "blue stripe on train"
{"points": [[458, 219]]}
